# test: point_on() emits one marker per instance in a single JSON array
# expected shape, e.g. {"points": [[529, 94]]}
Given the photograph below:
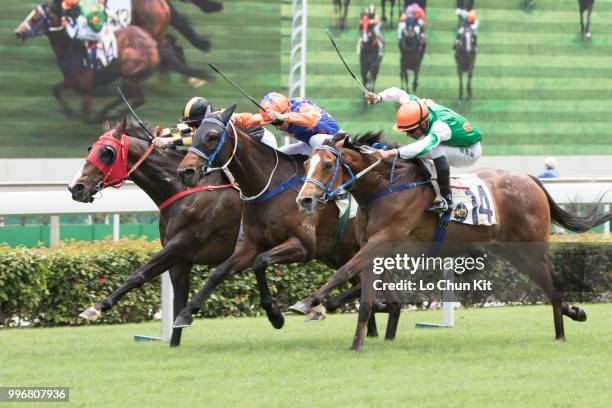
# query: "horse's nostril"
{"points": [[307, 202], [77, 188], [188, 172]]}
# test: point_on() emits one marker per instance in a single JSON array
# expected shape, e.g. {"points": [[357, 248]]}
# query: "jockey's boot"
{"points": [[443, 170]]}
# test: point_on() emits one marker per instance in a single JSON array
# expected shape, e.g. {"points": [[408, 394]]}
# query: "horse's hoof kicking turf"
{"points": [[91, 314], [317, 314], [182, 321], [580, 314], [299, 307]]}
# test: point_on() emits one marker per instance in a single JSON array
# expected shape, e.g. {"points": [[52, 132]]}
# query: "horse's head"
{"points": [[328, 167], [38, 22], [209, 147], [106, 163]]}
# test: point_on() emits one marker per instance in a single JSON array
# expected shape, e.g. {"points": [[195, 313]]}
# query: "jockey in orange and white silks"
{"points": [[441, 135], [299, 117]]}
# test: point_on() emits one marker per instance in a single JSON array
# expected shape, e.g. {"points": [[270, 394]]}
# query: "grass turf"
{"points": [[493, 357]]}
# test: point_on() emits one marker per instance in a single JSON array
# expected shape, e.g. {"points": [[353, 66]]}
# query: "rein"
{"points": [[264, 194], [184, 193]]}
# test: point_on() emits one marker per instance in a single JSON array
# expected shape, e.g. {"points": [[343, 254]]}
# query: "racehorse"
{"points": [[412, 49], [371, 47], [394, 195], [586, 5], [340, 12], [138, 57], [275, 231], [197, 228], [465, 57]]}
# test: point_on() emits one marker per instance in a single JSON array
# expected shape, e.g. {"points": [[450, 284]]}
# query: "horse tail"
{"points": [[172, 62], [571, 221], [183, 26]]}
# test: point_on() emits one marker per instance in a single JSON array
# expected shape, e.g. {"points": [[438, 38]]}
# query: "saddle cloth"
{"points": [[472, 201], [119, 13]]}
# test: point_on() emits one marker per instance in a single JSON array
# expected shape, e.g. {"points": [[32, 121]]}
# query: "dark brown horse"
{"points": [[199, 228], [524, 213], [138, 57], [585, 5], [371, 47], [465, 57], [412, 47], [275, 231], [340, 13]]}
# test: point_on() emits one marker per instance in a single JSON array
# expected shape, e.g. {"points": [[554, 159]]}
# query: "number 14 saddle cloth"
{"points": [[472, 201]]}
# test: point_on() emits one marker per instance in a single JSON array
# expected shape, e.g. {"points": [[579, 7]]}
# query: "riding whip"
{"points": [[140, 122], [232, 83], [363, 88]]}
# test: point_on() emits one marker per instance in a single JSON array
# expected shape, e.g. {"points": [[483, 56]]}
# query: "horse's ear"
{"points": [[106, 125], [339, 139], [228, 112], [120, 129], [208, 111]]}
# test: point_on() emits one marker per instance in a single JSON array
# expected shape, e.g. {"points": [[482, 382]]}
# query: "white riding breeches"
{"points": [[456, 156], [269, 138], [305, 148]]}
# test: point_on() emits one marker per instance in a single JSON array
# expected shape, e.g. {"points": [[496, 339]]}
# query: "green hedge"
{"points": [[52, 286]]}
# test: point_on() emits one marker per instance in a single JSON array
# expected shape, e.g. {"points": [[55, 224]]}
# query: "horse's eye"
{"points": [[328, 165], [89, 149], [213, 136]]}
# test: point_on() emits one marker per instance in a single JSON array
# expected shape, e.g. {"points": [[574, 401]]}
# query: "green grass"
{"points": [[245, 40], [538, 89], [493, 357]]}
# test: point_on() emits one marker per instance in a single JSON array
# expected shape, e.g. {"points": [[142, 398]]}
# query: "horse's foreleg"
{"points": [[460, 84], [469, 83], [240, 260], [345, 13], [415, 83], [159, 263], [588, 26], [582, 23], [365, 310], [292, 250], [384, 14], [180, 275]]}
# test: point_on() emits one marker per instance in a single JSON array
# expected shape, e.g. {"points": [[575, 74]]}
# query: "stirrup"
{"points": [[441, 206]]}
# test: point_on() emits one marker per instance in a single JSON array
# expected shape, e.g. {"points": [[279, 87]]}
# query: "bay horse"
{"points": [[340, 12], [585, 5], [524, 214], [370, 54], [412, 49], [465, 57], [275, 231], [198, 228], [138, 57]]}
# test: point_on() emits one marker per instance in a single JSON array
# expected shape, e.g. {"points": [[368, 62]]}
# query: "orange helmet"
{"points": [[471, 17], [275, 102], [411, 115], [68, 4]]}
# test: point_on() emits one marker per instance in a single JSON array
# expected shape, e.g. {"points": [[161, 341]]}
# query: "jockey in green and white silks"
{"points": [[86, 20], [442, 135]]}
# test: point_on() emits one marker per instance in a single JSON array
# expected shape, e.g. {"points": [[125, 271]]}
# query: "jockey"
{"points": [[370, 18], [194, 112], [470, 18], [299, 117], [85, 20], [443, 136], [414, 17]]}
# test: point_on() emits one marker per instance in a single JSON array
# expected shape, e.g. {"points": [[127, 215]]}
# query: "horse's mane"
{"points": [[369, 138]]}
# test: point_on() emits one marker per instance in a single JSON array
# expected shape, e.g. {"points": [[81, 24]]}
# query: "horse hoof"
{"points": [[300, 307], [588, 36], [182, 321], [580, 314], [355, 348], [195, 82], [91, 314], [317, 314], [278, 321], [372, 334]]}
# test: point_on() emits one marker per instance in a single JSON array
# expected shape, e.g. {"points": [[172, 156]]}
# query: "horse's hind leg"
{"points": [[292, 250], [346, 297], [180, 286], [588, 26], [415, 83], [469, 83], [365, 309], [344, 14], [582, 23], [460, 84], [57, 93]]}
